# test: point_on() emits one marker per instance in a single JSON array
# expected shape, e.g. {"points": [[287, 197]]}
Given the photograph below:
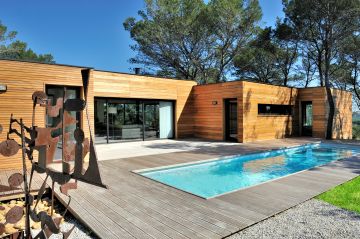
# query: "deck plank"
{"points": [[137, 207], [191, 219], [17, 193]]}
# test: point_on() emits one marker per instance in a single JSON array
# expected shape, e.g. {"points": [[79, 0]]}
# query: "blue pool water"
{"points": [[212, 178]]}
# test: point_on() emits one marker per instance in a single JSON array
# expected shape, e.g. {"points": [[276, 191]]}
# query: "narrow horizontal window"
{"points": [[270, 109]]}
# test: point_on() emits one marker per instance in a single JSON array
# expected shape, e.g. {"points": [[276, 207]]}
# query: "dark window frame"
{"points": [[142, 103], [275, 110]]}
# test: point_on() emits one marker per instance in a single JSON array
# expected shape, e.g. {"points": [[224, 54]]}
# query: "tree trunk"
{"points": [[285, 80], [319, 65], [331, 112], [328, 90]]}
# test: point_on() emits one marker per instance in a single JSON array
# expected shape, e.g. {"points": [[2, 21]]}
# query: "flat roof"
{"points": [[45, 63], [88, 67], [163, 77], [263, 83]]}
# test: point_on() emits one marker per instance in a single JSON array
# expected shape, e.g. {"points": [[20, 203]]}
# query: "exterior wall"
{"points": [[22, 79], [196, 113], [117, 85], [342, 125], [262, 127], [318, 97], [209, 118]]}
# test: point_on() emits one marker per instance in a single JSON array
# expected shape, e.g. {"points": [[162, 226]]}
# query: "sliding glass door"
{"points": [[126, 119], [151, 122]]}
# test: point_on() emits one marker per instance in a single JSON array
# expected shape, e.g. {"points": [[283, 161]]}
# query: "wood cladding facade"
{"points": [[209, 121], [117, 85], [22, 79], [342, 124], [199, 109], [209, 107], [261, 127]]}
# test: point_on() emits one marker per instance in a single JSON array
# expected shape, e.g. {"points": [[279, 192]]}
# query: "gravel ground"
{"points": [[79, 232], [312, 219]]}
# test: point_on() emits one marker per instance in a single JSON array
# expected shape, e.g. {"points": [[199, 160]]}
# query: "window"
{"points": [[269, 109]]}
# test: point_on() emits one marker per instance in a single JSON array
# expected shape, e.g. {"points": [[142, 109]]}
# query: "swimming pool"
{"points": [[215, 177]]}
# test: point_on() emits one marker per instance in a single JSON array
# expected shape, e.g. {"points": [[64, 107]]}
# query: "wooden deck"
{"points": [[8, 193], [137, 207]]}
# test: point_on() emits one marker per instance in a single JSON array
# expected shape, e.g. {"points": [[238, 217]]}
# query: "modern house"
{"points": [[127, 107]]}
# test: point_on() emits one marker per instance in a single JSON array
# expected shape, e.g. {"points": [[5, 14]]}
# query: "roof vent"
{"points": [[137, 70]]}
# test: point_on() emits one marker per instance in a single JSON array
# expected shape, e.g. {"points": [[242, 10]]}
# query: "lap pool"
{"points": [[215, 177]]}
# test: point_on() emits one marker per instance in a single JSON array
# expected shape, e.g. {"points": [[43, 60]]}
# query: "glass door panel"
{"points": [[54, 93], [307, 118], [115, 122], [151, 125], [125, 120], [100, 121], [133, 122], [231, 124], [166, 119]]}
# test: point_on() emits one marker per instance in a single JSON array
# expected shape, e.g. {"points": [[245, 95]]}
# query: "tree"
{"points": [[257, 62], [322, 26], [233, 24], [306, 69], [286, 53], [271, 57], [190, 39], [15, 49], [347, 75]]}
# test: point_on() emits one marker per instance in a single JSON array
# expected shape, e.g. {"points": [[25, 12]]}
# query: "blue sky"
{"points": [[86, 33]]}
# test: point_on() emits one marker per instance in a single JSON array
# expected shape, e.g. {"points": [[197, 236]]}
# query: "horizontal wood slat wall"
{"points": [[117, 85], [208, 116], [199, 110], [261, 127], [342, 124], [22, 79], [317, 96]]}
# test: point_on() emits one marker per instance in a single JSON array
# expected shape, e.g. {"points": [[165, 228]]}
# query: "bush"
{"points": [[356, 129]]}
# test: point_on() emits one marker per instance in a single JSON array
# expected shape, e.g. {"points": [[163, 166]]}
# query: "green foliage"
{"points": [[190, 39], [258, 61], [356, 128], [346, 196], [315, 40], [347, 68], [322, 28], [18, 50], [271, 57]]}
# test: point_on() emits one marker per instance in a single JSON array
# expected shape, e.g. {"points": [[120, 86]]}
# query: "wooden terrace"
{"points": [[137, 207]]}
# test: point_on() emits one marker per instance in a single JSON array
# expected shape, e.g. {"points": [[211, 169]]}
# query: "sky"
{"points": [[86, 33]]}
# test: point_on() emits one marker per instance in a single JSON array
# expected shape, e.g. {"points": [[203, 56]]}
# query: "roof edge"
{"points": [[92, 68], [44, 63]]}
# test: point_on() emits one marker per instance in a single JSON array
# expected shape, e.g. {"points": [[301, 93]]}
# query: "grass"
{"points": [[346, 196]]}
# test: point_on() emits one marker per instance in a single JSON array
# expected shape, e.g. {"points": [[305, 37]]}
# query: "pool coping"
{"points": [[139, 171]]}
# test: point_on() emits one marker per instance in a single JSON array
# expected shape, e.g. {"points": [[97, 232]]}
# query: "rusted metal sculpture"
{"points": [[45, 141]]}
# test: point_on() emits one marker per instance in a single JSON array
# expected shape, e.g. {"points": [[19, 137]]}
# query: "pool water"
{"points": [[212, 178]]}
